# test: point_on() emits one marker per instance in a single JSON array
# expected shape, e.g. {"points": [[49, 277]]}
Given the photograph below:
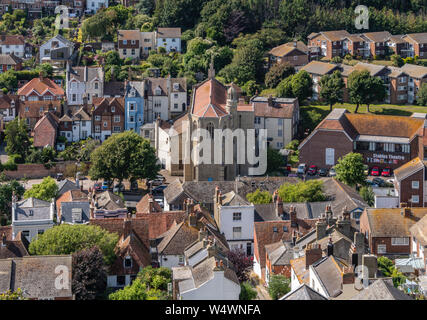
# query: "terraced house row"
{"points": [[339, 43], [402, 84]]}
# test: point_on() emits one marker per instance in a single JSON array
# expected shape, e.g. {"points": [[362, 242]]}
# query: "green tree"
{"points": [[6, 191], [277, 73], [397, 60], [46, 190], [422, 95], [350, 169], [68, 239], [274, 160], [387, 268], [259, 197], [299, 86], [284, 88], [278, 286], [368, 195], [15, 295], [331, 88], [16, 138], [305, 191], [135, 291], [365, 89], [247, 292], [124, 156]]}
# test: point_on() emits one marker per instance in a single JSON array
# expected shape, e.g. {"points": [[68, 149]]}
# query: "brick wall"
{"points": [[36, 170], [406, 191]]}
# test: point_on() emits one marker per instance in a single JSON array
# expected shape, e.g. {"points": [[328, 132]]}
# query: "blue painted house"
{"points": [[134, 105]]}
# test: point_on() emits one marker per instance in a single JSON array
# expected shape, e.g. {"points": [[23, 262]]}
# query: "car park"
{"points": [[371, 184], [375, 171], [366, 170], [323, 172], [106, 184], [378, 181], [118, 188], [158, 181], [302, 168], [312, 170], [386, 172]]}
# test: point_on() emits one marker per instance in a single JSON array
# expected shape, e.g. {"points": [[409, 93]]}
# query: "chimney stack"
{"points": [[313, 253], [321, 228], [370, 262], [344, 226], [330, 247], [279, 206], [270, 101], [127, 227], [203, 233], [217, 193], [406, 212], [293, 217]]}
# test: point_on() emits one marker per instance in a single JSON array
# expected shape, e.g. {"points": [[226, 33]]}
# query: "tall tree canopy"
{"points": [[124, 156]]}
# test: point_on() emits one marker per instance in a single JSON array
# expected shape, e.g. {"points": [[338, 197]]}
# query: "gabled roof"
{"points": [[41, 137], [381, 290], [286, 48], [61, 39], [373, 69], [109, 201], [86, 74], [177, 238], [36, 109], [40, 85], [303, 292], [380, 36], [415, 71], [80, 115], [66, 185], [13, 248], [9, 59], [12, 40], [319, 68], [128, 35], [420, 38], [279, 253], [282, 107], [409, 168], [329, 272], [134, 246], [233, 199], [336, 35], [419, 231], [209, 99], [143, 206]]}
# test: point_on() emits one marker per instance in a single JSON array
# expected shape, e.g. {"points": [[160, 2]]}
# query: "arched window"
{"points": [[210, 129]]}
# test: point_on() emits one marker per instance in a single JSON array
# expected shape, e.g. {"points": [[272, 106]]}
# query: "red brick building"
{"points": [[46, 130], [10, 61], [384, 141], [410, 182], [295, 53], [387, 230], [108, 116], [41, 89]]}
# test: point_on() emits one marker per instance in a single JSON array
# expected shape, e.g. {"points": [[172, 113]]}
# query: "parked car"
{"points": [[366, 170], [97, 186], [59, 177], [302, 168], [386, 172], [371, 184], [106, 184], [375, 171], [380, 182], [323, 172], [134, 186], [158, 191], [158, 181], [332, 172], [312, 170], [118, 188]]}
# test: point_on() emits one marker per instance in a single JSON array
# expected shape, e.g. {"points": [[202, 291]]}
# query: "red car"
{"points": [[312, 170], [375, 171], [386, 172]]}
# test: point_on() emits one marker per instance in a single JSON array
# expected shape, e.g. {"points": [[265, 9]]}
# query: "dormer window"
{"points": [[128, 262], [76, 214], [96, 85]]}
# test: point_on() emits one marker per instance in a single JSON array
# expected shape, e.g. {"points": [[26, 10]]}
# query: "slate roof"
{"points": [[66, 185], [177, 238], [329, 272], [86, 74], [381, 290], [114, 88], [279, 253], [303, 292], [233, 199], [40, 209], [68, 208], [35, 275], [109, 201], [9, 59], [391, 222], [13, 248]]}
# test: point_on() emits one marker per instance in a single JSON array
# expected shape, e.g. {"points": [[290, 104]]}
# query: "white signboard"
{"points": [[330, 156]]}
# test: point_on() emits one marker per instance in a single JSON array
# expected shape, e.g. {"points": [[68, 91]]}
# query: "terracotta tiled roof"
{"points": [[177, 238], [268, 232], [45, 131], [129, 35], [5, 101], [159, 223], [34, 108], [336, 35], [12, 40], [285, 49], [209, 99], [143, 206], [41, 86], [134, 246], [392, 222], [282, 108]]}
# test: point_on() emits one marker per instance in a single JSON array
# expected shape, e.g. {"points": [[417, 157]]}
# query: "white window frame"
{"points": [[383, 249], [402, 241]]}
